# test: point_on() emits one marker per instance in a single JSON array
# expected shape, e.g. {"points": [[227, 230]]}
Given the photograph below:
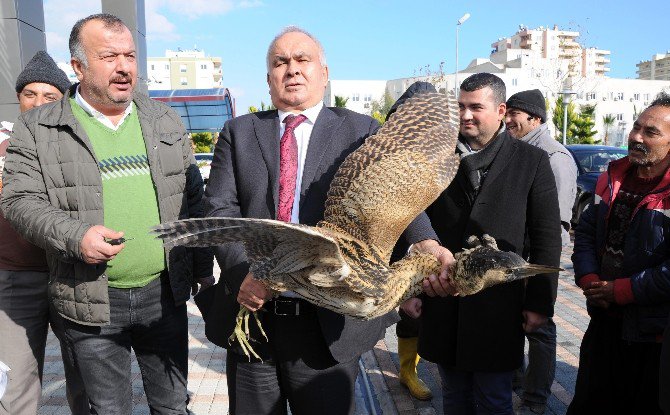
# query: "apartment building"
{"points": [[184, 69], [657, 68]]}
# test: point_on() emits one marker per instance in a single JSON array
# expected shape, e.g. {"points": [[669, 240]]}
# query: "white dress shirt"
{"points": [[98, 115]]}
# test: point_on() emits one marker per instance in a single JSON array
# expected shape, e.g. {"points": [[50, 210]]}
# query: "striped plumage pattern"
{"points": [[343, 263]]}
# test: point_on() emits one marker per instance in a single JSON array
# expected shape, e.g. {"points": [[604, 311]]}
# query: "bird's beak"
{"points": [[529, 270]]}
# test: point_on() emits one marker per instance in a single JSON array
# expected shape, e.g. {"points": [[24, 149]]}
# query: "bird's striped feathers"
{"points": [[382, 186]]}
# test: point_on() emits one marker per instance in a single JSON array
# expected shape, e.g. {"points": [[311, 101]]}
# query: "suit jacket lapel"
{"points": [[323, 133], [266, 128]]}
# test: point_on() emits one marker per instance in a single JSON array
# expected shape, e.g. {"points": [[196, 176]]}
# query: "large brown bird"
{"points": [[342, 263]]}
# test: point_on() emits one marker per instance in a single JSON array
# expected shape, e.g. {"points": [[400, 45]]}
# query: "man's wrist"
{"points": [[422, 246]]}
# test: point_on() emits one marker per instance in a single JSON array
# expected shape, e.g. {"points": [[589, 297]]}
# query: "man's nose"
{"points": [[635, 136], [123, 64], [39, 100], [293, 68]]}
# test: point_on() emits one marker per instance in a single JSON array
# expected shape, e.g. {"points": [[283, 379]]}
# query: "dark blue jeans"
{"points": [[541, 369], [480, 393], [146, 320]]}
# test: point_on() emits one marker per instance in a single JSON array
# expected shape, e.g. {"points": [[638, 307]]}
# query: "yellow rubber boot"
{"points": [[408, 361]]}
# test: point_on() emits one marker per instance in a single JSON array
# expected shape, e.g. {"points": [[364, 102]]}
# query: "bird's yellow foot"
{"points": [[241, 332]]}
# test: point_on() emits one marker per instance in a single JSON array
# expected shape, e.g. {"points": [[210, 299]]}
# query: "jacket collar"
{"points": [[61, 114]]}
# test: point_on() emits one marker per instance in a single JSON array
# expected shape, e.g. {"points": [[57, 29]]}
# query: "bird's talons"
{"points": [[241, 332]]}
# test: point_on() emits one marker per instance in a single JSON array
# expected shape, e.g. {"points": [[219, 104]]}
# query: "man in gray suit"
{"points": [[278, 165]]}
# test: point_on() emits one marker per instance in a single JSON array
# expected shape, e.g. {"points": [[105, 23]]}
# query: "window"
{"points": [[515, 81], [356, 97], [167, 67], [367, 97], [618, 96], [619, 117], [203, 66], [590, 96], [183, 80], [636, 97], [152, 67], [646, 97], [182, 68]]}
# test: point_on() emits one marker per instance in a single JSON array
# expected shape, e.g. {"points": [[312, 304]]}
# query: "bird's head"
{"points": [[484, 261]]}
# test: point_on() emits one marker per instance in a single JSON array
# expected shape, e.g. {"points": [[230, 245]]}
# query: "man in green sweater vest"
{"points": [[102, 164]]}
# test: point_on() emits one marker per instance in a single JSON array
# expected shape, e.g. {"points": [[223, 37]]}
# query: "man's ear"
{"points": [[77, 67], [325, 75], [502, 110]]}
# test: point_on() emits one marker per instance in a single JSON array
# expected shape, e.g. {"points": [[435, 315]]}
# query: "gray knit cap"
{"points": [[43, 69]]}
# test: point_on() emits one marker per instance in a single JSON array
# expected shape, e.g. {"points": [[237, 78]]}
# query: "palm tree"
{"points": [[341, 102], [608, 122]]}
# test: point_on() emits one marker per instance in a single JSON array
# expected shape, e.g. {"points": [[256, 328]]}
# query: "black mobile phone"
{"points": [[118, 241]]}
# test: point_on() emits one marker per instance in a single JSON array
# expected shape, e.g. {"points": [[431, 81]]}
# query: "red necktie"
{"points": [[288, 167]]}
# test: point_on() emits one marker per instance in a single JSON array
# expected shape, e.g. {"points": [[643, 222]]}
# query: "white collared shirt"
{"points": [[302, 135], [98, 115]]}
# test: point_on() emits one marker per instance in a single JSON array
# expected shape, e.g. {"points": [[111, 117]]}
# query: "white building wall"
{"points": [[360, 93]]}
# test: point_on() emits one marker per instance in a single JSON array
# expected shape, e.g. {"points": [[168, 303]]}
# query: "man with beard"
{"points": [[82, 172], [621, 263]]}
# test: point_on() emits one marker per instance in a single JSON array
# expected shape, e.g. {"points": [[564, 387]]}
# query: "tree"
{"points": [[582, 127], [379, 109], [341, 102], [557, 118], [608, 122], [202, 142], [263, 108]]}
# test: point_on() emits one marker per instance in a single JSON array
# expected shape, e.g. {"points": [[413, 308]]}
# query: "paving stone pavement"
{"points": [[207, 379]]}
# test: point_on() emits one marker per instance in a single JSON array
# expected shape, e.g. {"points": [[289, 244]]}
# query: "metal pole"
{"points": [[456, 73], [565, 119], [460, 21]]}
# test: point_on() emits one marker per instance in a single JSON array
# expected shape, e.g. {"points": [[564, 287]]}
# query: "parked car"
{"points": [[591, 161], [204, 161]]}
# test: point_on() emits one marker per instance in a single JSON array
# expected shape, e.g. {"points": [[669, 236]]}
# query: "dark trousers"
{"points": [[25, 315], [407, 327], [664, 374], [146, 320], [539, 374], [301, 371], [615, 376], [480, 393]]}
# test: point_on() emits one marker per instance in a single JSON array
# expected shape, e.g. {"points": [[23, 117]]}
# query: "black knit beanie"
{"points": [[43, 69], [531, 101], [418, 87]]}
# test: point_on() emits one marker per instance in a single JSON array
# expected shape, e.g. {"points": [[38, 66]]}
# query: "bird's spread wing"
{"points": [[273, 247], [382, 186]]}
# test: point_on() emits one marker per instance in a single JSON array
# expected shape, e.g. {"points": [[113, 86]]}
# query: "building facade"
{"points": [[184, 69], [657, 68], [359, 94]]}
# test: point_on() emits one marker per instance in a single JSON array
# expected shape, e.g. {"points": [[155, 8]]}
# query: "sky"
{"points": [[375, 39]]}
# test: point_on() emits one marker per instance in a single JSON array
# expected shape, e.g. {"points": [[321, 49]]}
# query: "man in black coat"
{"points": [[311, 358], [504, 188]]}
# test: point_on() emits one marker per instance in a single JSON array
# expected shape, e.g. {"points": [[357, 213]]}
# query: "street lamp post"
{"points": [[566, 97], [462, 20]]}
